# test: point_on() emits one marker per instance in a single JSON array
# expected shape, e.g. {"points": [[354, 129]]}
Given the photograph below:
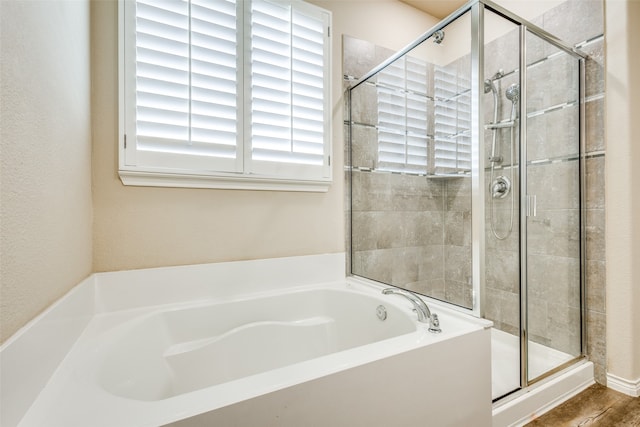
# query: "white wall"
{"points": [[623, 188], [45, 180], [386, 23]]}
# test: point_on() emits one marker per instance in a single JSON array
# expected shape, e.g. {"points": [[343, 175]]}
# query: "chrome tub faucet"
{"points": [[424, 314]]}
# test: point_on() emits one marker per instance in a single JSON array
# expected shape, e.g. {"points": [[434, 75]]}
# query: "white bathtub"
{"points": [[177, 350], [283, 355]]}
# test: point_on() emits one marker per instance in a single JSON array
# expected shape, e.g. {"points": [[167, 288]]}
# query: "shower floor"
{"points": [[505, 361]]}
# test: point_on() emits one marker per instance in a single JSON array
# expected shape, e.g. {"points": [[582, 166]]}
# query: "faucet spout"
{"points": [[422, 309], [424, 314]]}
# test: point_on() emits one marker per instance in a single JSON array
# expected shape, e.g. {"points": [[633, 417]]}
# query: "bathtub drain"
{"points": [[381, 311]]}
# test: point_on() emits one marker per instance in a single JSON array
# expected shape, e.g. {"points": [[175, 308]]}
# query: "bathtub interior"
{"points": [[170, 352], [150, 350]]}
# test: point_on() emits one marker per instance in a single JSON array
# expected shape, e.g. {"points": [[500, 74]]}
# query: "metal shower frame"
{"points": [[477, 11]]}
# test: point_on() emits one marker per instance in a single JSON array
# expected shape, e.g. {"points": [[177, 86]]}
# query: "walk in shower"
{"points": [[466, 183]]}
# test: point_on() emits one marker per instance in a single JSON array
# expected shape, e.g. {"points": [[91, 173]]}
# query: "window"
{"points": [[225, 94]]}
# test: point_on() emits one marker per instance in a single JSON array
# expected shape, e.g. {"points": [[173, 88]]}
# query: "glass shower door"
{"points": [[502, 294], [551, 207]]}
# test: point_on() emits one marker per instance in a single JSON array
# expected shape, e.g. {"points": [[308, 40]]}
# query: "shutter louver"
{"points": [[452, 123], [402, 117], [287, 88], [186, 84], [225, 94]]}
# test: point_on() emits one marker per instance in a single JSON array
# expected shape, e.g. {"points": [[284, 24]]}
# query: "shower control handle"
{"points": [[500, 187]]}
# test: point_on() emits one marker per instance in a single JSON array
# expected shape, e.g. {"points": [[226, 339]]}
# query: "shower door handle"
{"points": [[532, 208]]}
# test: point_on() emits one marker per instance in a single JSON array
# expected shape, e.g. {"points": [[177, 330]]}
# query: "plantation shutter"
{"points": [[186, 86], [402, 117], [225, 94], [289, 70], [452, 123]]}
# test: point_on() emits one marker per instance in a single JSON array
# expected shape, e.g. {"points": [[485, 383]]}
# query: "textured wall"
{"points": [[623, 189], [45, 193]]}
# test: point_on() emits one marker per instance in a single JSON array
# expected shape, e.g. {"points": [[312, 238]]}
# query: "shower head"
{"points": [[438, 36], [513, 93]]}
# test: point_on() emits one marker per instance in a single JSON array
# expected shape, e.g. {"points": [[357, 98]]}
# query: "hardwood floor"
{"points": [[596, 406]]}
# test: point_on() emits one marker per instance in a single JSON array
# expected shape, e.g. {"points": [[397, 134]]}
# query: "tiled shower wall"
{"points": [[398, 218], [424, 224], [410, 231], [581, 23], [553, 241], [552, 173]]}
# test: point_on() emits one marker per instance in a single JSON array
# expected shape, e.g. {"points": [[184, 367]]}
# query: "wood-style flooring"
{"points": [[596, 406]]}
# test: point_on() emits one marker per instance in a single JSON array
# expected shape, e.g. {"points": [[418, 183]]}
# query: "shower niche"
{"points": [[465, 181]]}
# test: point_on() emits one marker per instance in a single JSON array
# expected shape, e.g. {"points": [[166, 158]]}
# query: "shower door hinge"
{"points": [[532, 208], [125, 140], [329, 160], [328, 31]]}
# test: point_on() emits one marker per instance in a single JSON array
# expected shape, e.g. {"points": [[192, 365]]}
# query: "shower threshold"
{"points": [[505, 361]]}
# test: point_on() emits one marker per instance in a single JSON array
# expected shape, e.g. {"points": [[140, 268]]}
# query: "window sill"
{"points": [[225, 182]]}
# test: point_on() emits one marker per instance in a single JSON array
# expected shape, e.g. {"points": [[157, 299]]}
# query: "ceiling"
{"points": [[437, 8]]}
